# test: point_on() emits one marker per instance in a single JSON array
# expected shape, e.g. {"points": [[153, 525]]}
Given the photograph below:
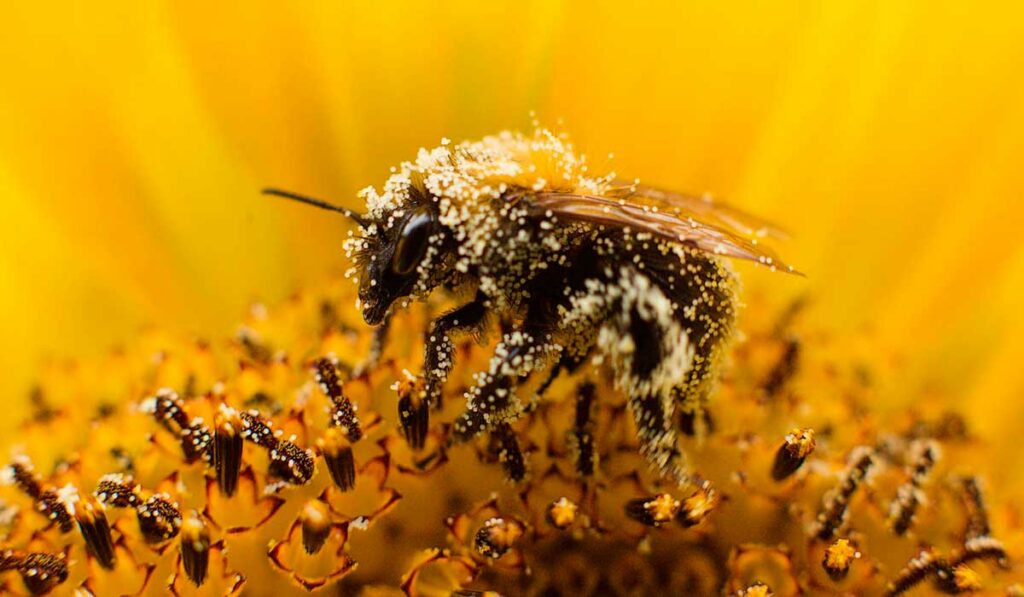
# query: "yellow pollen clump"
{"points": [[966, 579], [562, 513], [840, 554]]}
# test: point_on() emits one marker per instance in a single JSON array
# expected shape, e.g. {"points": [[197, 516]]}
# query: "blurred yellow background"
{"points": [[888, 136]]}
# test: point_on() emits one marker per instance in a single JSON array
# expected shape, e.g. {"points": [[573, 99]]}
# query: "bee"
{"points": [[578, 268]]}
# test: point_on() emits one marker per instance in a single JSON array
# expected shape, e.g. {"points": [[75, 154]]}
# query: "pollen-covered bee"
{"points": [[583, 267]]}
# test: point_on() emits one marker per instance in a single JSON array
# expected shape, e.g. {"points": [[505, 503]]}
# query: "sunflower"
{"points": [[134, 138]]}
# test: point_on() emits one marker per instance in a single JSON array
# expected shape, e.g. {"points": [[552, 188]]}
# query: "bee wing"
{"points": [[674, 225], [708, 210]]}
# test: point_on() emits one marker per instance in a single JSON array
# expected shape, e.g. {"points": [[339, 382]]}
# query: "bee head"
{"points": [[400, 251], [399, 255]]}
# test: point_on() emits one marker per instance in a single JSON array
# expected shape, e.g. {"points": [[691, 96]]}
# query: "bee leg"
{"points": [[568, 363], [650, 351], [438, 346], [493, 400], [658, 436]]}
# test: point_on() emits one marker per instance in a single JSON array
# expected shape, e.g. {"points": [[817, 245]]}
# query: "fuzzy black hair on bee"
{"points": [[584, 268]]}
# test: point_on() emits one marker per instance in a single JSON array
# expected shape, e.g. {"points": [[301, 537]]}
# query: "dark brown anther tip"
{"points": [[697, 506], [337, 453], [316, 525], [414, 417], [227, 450], [510, 454], [653, 511], [497, 536], [92, 522], [195, 548], [798, 445]]}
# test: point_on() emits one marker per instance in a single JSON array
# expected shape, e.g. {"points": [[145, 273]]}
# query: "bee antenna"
{"points": [[357, 218]]}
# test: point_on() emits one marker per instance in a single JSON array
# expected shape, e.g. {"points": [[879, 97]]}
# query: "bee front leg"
{"points": [[493, 400], [438, 346]]}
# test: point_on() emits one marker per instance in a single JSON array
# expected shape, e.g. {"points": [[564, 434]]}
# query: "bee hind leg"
{"points": [[650, 353]]}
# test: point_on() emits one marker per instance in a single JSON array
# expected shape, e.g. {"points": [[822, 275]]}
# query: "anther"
{"points": [[834, 506], [195, 548], [92, 522], [169, 410], [509, 453], [337, 453], [908, 495], [916, 570], [696, 507], [785, 369], [316, 525], [797, 446], [497, 536], [413, 414], [343, 413], [227, 450], [22, 475], [956, 580], [653, 511], [977, 513]]}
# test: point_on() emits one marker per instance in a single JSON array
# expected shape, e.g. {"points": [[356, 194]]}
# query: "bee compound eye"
{"points": [[412, 242]]}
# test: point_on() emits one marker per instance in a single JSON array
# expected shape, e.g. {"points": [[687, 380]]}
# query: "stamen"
{"points": [[653, 511], [413, 414], [92, 522], [908, 495], [343, 414], [695, 508], [497, 536], [169, 410], [316, 525], [337, 453], [798, 445], [834, 507], [916, 570], [785, 369], [509, 453], [227, 450], [195, 548], [21, 474]]}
